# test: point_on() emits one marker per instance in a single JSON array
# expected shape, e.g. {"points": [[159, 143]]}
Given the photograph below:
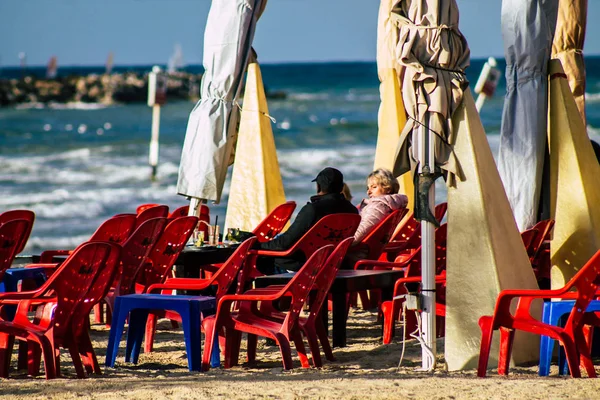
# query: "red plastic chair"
{"points": [[274, 223], [312, 326], [374, 242], [158, 211], [539, 254], [282, 332], [266, 230], [408, 238], [59, 297], [115, 230], [12, 233], [222, 279], [391, 309], [143, 207], [529, 238], [27, 215], [80, 320], [163, 255], [179, 212], [331, 229], [204, 216], [134, 255], [571, 336]]}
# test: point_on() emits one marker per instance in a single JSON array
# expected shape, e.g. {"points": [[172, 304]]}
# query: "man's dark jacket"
{"points": [[318, 207]]}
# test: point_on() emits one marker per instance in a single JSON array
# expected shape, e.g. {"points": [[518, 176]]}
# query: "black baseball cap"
{"points": [[330, 180]]}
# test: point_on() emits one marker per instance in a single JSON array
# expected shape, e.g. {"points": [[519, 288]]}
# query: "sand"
{"points": [[364, 369]]}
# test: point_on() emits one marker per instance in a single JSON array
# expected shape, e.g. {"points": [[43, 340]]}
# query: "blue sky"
{"points": [[83, 32]]}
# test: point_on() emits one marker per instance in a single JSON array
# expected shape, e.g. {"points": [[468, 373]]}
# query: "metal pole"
{"points": [[428, 256], [153, 158], [479, 102]]}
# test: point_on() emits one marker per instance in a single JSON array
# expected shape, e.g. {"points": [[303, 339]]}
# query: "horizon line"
{"points": [[272, 63]]}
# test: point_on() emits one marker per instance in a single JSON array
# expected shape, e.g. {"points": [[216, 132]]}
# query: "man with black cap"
{"points": [[329, 200]]}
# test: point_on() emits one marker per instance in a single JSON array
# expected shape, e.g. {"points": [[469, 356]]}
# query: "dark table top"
{"points": [[346, 280], [191, 258]]}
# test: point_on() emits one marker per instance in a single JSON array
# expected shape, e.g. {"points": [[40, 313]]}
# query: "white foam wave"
{"points": [[592, 97], [54, 242], [593, 133], [77, 105], [309, 96]]}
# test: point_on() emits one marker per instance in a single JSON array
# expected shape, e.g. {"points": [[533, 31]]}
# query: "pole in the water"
{"points": [[487, 82], [157, 96]]}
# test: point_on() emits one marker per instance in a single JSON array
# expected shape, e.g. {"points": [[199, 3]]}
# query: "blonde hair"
{"points": [[346, 192], [386, 179]]}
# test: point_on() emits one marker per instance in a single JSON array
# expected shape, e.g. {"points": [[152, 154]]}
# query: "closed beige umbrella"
{"points": [[392, 117], [568, 46], [574, 190], [256, 185], [434, 54]]}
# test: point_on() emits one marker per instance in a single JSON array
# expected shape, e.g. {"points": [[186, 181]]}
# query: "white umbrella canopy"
{"points": [[434, 54], [213, 123], [527, 29]]}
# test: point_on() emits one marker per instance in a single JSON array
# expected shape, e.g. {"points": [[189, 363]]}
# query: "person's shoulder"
{"points": [[349, 207]]}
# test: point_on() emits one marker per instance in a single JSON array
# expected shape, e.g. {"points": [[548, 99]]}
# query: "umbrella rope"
{"points": [[443, 139], [273, 120], [456, 71]]}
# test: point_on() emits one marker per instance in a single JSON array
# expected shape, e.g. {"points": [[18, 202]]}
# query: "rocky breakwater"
{"points": [[129, 87]]}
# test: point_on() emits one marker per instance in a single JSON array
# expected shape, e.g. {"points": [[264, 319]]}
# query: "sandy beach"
{"points": [[364, 369]]}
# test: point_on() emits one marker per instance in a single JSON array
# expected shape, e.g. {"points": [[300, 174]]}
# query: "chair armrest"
{"points": [[46, 256], [7, 297], [364, 264], [180, 283], [46, 266], [275, 253], [265, 290], [274, 295]]}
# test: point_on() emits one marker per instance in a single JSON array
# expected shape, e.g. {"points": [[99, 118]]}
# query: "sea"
{"points": [[76, 165]]}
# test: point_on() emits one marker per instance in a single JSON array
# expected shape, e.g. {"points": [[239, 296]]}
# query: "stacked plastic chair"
{"points": [[312, 326], [581, 288], [134, 255], [274, 223], [116, 229], [219, 282], [236, 322], [60, 298]]}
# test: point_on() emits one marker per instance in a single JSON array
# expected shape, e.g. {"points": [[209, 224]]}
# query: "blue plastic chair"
{"points": [[137, 307], [553, 314]]}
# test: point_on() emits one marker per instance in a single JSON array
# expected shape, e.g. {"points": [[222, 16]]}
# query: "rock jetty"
{"points": [[128, 87]]}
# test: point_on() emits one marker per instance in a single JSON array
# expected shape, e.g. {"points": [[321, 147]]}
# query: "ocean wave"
{"points": [[37, 243], [309, 96], [592, 97], [76, 105]]}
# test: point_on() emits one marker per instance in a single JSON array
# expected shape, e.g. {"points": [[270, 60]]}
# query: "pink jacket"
{"points": [[375, 209]]}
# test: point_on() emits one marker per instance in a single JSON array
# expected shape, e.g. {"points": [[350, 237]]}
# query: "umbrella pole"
{"points": [[195, 203], [428, 256]]}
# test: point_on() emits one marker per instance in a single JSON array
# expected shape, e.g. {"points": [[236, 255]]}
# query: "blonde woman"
{"points": [[382, 189]]}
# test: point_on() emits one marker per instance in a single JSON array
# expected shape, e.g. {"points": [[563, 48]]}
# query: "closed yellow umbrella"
{"points": [[256, 186], [568, 46], [574, 189], [392, 117], [485, 253]]}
